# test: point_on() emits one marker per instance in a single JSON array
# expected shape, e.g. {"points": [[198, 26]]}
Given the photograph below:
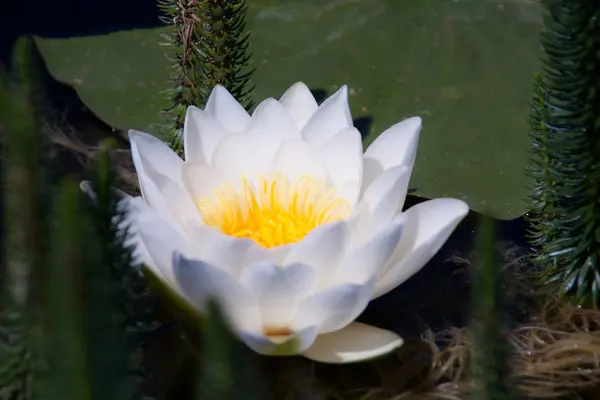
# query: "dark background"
{"points": [[68, 18]]}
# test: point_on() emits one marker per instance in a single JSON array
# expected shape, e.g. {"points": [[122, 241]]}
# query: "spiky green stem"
{"points": [[566, 157], [210, 47], [135, 302]]}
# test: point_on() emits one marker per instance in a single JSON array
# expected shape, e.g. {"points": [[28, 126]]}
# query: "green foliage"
{"points": [[135, 302], [24, 250], [82, 326], [212, 48], [69, 297], [228, 369], [17, 361], [565, 160], [489, 321]]}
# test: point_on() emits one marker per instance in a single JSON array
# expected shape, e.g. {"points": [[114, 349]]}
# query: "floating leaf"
{"points": [[465, 67]]}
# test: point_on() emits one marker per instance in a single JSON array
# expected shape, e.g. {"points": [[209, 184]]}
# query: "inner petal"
{"points": [[275, 211]]}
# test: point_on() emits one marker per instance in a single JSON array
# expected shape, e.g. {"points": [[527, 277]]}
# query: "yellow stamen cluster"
{"points": [[275, 211]]}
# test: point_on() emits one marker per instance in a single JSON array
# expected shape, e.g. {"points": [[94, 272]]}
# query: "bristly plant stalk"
{"points": [[83, 328], [134, 301], [565, 161], [209, 46], [25, 200], [489, 321], [228, 370]]}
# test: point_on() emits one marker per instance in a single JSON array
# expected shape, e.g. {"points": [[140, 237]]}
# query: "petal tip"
{"points": [[136, 136], [191, 109], [355, 343], [299, 86], [133, 134], [459, 207], [343, 91]]}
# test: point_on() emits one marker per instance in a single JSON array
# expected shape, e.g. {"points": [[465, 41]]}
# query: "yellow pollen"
{"points": [[274, 212]]}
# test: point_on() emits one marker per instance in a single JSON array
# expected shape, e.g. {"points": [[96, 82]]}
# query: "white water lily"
{"points": [[282, 219]]}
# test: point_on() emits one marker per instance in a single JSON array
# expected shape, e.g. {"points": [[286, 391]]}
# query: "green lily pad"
{"points": [[465, 66]]}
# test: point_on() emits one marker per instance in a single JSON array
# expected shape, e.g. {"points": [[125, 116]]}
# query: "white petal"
{"points": [[369, 259], [278, 290], [335, 307], [160, 242], [342, 158], [200, 281], [429, 225], [242, 155], [159, 174], [226, 109], [133, 206], [158, 155], [355, 342], [331, 117], [284, 346], [299, 103], [271, 126], [395, 146], [86, 187], [322, 249], [201, 180], [270, 116], [295, 159], [201, 134], [229, 253], [383, 200]]}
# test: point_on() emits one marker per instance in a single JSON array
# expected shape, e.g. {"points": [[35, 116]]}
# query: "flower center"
{"points": [[274, 212]]}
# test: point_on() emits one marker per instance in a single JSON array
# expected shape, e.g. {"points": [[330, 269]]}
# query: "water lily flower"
{"points": [[282, 219]]}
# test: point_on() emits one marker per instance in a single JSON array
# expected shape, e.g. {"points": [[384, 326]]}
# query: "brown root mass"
{"points": [[556, 355]]}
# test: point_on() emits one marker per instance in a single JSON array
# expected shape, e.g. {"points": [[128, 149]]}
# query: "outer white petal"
{"points": [[159, 175], [382, 201], [331, 117], [160, 241], [134, 206], [200, 281], [429, 225], [299, 103], [368, 260], [229, 253], [272, 117], [295, 158], [355, 342], [243, 155], [160, 157], [201, 134], [278, 290], [395, 146], [342, 158], [226, 109], [288, 345], [322, 249], [333, 308]]}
